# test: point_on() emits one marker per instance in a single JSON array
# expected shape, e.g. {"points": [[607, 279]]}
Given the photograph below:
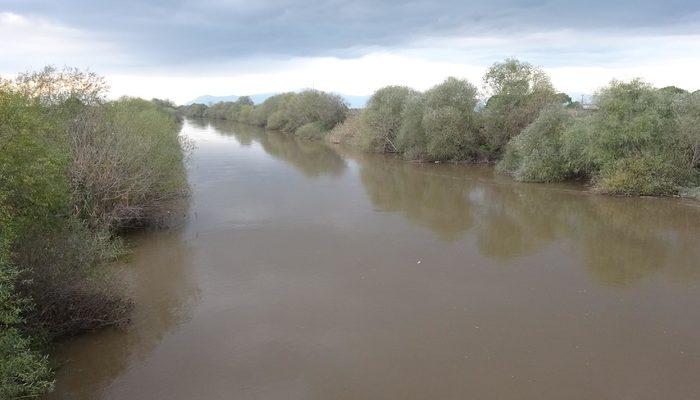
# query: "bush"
{"points": [[576, 147], [411, 140], [312, 130], [519, 91], [221, 110], [127, 163], [315, 106], [638, 144], [383, 117], [639, 175], [277, 120], [451, 122], [536, 154], [263, 112], [688, 111], [73, 170], [640, 141], [194, 110], [24, 372], [349, 131]]}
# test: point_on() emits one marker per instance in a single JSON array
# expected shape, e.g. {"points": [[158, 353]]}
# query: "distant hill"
{"points": [[209, 100], [353, 101]]}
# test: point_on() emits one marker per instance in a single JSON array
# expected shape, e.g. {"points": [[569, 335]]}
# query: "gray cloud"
{"points": [[178, 32]]}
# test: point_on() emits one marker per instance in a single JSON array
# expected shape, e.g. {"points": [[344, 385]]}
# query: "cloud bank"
{"points": [[242, 47]]}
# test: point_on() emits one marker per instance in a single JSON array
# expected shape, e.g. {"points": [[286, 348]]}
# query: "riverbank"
{"points": [[76, 170], [636, 140]]}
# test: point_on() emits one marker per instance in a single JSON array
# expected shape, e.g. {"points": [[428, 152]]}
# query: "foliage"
{"points": [[640, 141], [126, 163], [52, 86], [519, 91], [411, 140], [536, 154], [194, 110], [74, 169], [642, 174], [451, 122], [383, 117], [286, 112], [313, 106], [349, 131], [312, 131], [638, 144], [688, 111], [23, 371]]}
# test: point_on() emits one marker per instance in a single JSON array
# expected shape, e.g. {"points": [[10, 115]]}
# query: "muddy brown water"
{"points": [[309, 272]]}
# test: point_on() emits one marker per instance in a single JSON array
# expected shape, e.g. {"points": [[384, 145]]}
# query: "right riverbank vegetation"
{"points": [[633, 139], [76, 171]]}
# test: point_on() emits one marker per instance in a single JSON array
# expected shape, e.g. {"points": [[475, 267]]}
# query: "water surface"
{"points": [[309, 272]]}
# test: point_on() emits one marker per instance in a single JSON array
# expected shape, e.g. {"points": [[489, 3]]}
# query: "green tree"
{"points": [[536, 155], [519, 91], [384, 116], [451, 122]]}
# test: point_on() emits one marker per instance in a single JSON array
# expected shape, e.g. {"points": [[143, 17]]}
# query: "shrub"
{"points": [[349, 131], [451, 122], [383, 117], [688, 111], [638, 144], [194, 110], [245, 114], [51, 86], [536, 154], [411, 140], [576, 147], [312, 130], [639, 175], [262, 113], [278, 120], [127, 163], [221, 110], [67, 277], [73, 170], [24, 372], [519, 91], [315, 106]]}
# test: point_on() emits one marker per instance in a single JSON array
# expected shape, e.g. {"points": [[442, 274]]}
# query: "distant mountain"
{"points": [[353, 101], [209, 100]]}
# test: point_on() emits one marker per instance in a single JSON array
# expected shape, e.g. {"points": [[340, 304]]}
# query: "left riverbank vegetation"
{"points": [[76, 171]]}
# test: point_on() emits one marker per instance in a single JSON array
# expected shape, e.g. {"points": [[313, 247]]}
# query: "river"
{"points": [[304, 271]]}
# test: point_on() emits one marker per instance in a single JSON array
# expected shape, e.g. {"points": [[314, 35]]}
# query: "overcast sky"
{"points": [[182, 49]]}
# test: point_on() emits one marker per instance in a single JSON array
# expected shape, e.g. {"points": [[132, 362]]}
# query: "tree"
{"points": [[53, 86], [688, 110], [383, 117], [451, 122], [519, 91], [536, 155], [245, 101]]}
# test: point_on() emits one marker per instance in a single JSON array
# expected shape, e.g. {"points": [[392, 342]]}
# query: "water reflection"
{"points": [[160, 280], [620, 240], [433, 197], [311, 158]]}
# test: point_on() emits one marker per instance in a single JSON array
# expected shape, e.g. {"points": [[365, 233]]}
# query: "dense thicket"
{"points": [[640, 141], [635, 140], [310, 113], [74, 170]]}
